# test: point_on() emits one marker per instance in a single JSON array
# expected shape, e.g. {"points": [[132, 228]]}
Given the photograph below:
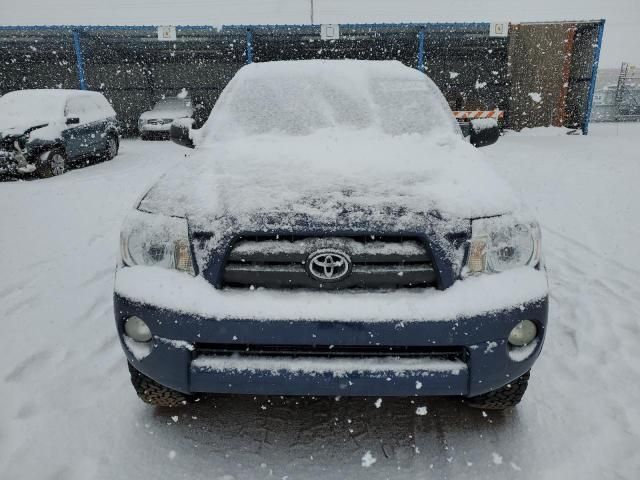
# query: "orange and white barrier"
{"points": [[473, 114]]}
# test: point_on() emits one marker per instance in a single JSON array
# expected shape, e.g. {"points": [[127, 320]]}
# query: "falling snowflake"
{"points": [[368, 459], [535, 96]]}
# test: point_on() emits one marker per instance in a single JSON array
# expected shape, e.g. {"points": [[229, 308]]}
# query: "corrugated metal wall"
{"points": [[550, 66], [474, 70], [134, 69], [471, 69]]}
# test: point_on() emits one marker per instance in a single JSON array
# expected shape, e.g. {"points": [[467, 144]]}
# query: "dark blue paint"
{"points": [[594, 77], [488, 366], [249, 46], [421, 50], [79, 59]]}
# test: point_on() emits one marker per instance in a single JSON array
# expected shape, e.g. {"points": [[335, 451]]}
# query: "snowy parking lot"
{"points": [[69, 412]]}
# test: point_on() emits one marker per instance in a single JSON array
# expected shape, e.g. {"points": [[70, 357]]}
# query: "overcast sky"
{"points": [[621, 41]]}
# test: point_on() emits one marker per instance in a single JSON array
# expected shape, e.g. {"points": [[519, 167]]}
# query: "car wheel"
{"points": [[153, 393], [53, 163], [113, 146], [502, 398]]}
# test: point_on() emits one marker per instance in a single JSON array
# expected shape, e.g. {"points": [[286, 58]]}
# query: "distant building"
{"points": [[619, 102]]}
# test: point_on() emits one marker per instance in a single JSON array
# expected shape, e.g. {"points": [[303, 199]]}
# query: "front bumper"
{"points": [[183, 356], [155, 128], [14, 163]]}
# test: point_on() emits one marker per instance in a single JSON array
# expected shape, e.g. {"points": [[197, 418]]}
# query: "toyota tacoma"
{"points": [[332, 233]]}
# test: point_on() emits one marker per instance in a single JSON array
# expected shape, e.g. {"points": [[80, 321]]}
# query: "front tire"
{"points": [[113, 145], [505, 397], [52, 164], [153, 393]]}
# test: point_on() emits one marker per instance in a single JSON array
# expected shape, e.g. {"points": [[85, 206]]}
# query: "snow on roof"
{"points": [[301, 97], [30, 107]]}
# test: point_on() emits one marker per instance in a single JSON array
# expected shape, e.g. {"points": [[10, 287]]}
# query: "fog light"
{"points": [[136, 329], [523, 333]]}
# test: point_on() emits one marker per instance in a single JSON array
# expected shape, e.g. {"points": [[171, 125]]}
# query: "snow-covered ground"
{"points": [[68, 411]]}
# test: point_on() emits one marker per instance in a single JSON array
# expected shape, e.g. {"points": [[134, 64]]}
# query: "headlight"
{"points": [[156, 240], [137, 329], [523, 333], [502, 243]]}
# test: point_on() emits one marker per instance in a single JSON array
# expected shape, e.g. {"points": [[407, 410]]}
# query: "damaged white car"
{"points": [[43, 131]]}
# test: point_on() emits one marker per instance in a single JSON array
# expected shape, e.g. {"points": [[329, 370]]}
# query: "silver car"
{"points": [[157, 121]]}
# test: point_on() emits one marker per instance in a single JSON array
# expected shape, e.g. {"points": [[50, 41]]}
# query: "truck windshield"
{"points": [[299, 98]]}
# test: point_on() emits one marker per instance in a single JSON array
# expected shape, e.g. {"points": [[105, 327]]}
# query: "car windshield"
{"points": [[299, 98], [31, 107], [173, 104]]}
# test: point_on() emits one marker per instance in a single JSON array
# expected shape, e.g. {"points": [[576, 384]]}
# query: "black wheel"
{"points": [[113, 145], [153, 393], [502, 398], [51, 164]]}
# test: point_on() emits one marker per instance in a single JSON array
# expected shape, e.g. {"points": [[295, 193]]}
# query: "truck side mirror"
{"points": [[180, 132], [72, 120], [484, 132]]}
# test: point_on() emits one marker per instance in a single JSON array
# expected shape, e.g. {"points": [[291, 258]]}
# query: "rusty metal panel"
{"points": [[539, 68], [582, 62]]}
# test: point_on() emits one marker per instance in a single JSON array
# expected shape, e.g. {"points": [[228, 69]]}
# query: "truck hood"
{"points": [[331, 180]]}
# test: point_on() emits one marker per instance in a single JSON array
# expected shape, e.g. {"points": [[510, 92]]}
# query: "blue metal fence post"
{"points": [[249, 46], [594, 75], [421, 50], [79, 59]]}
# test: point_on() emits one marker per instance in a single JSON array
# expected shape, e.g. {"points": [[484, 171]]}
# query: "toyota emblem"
{"points": [[328, 265]]}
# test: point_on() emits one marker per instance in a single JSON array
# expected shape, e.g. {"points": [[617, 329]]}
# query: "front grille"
{"points": [[329, 351], [283, 262]]}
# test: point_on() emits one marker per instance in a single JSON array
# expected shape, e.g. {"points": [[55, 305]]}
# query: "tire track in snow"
{"points": [[28, 365], [17, 306], [590, 250]]}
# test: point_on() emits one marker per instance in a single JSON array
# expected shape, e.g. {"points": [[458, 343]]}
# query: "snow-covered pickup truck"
{"points": [[43, 131], [331, 234]]}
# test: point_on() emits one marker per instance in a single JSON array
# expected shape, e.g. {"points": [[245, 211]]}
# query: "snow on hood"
{"points": [[46, 131], [177, 107], [166, 113], [329, 143], [9, 128], [330, 178], [24, 109]]}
